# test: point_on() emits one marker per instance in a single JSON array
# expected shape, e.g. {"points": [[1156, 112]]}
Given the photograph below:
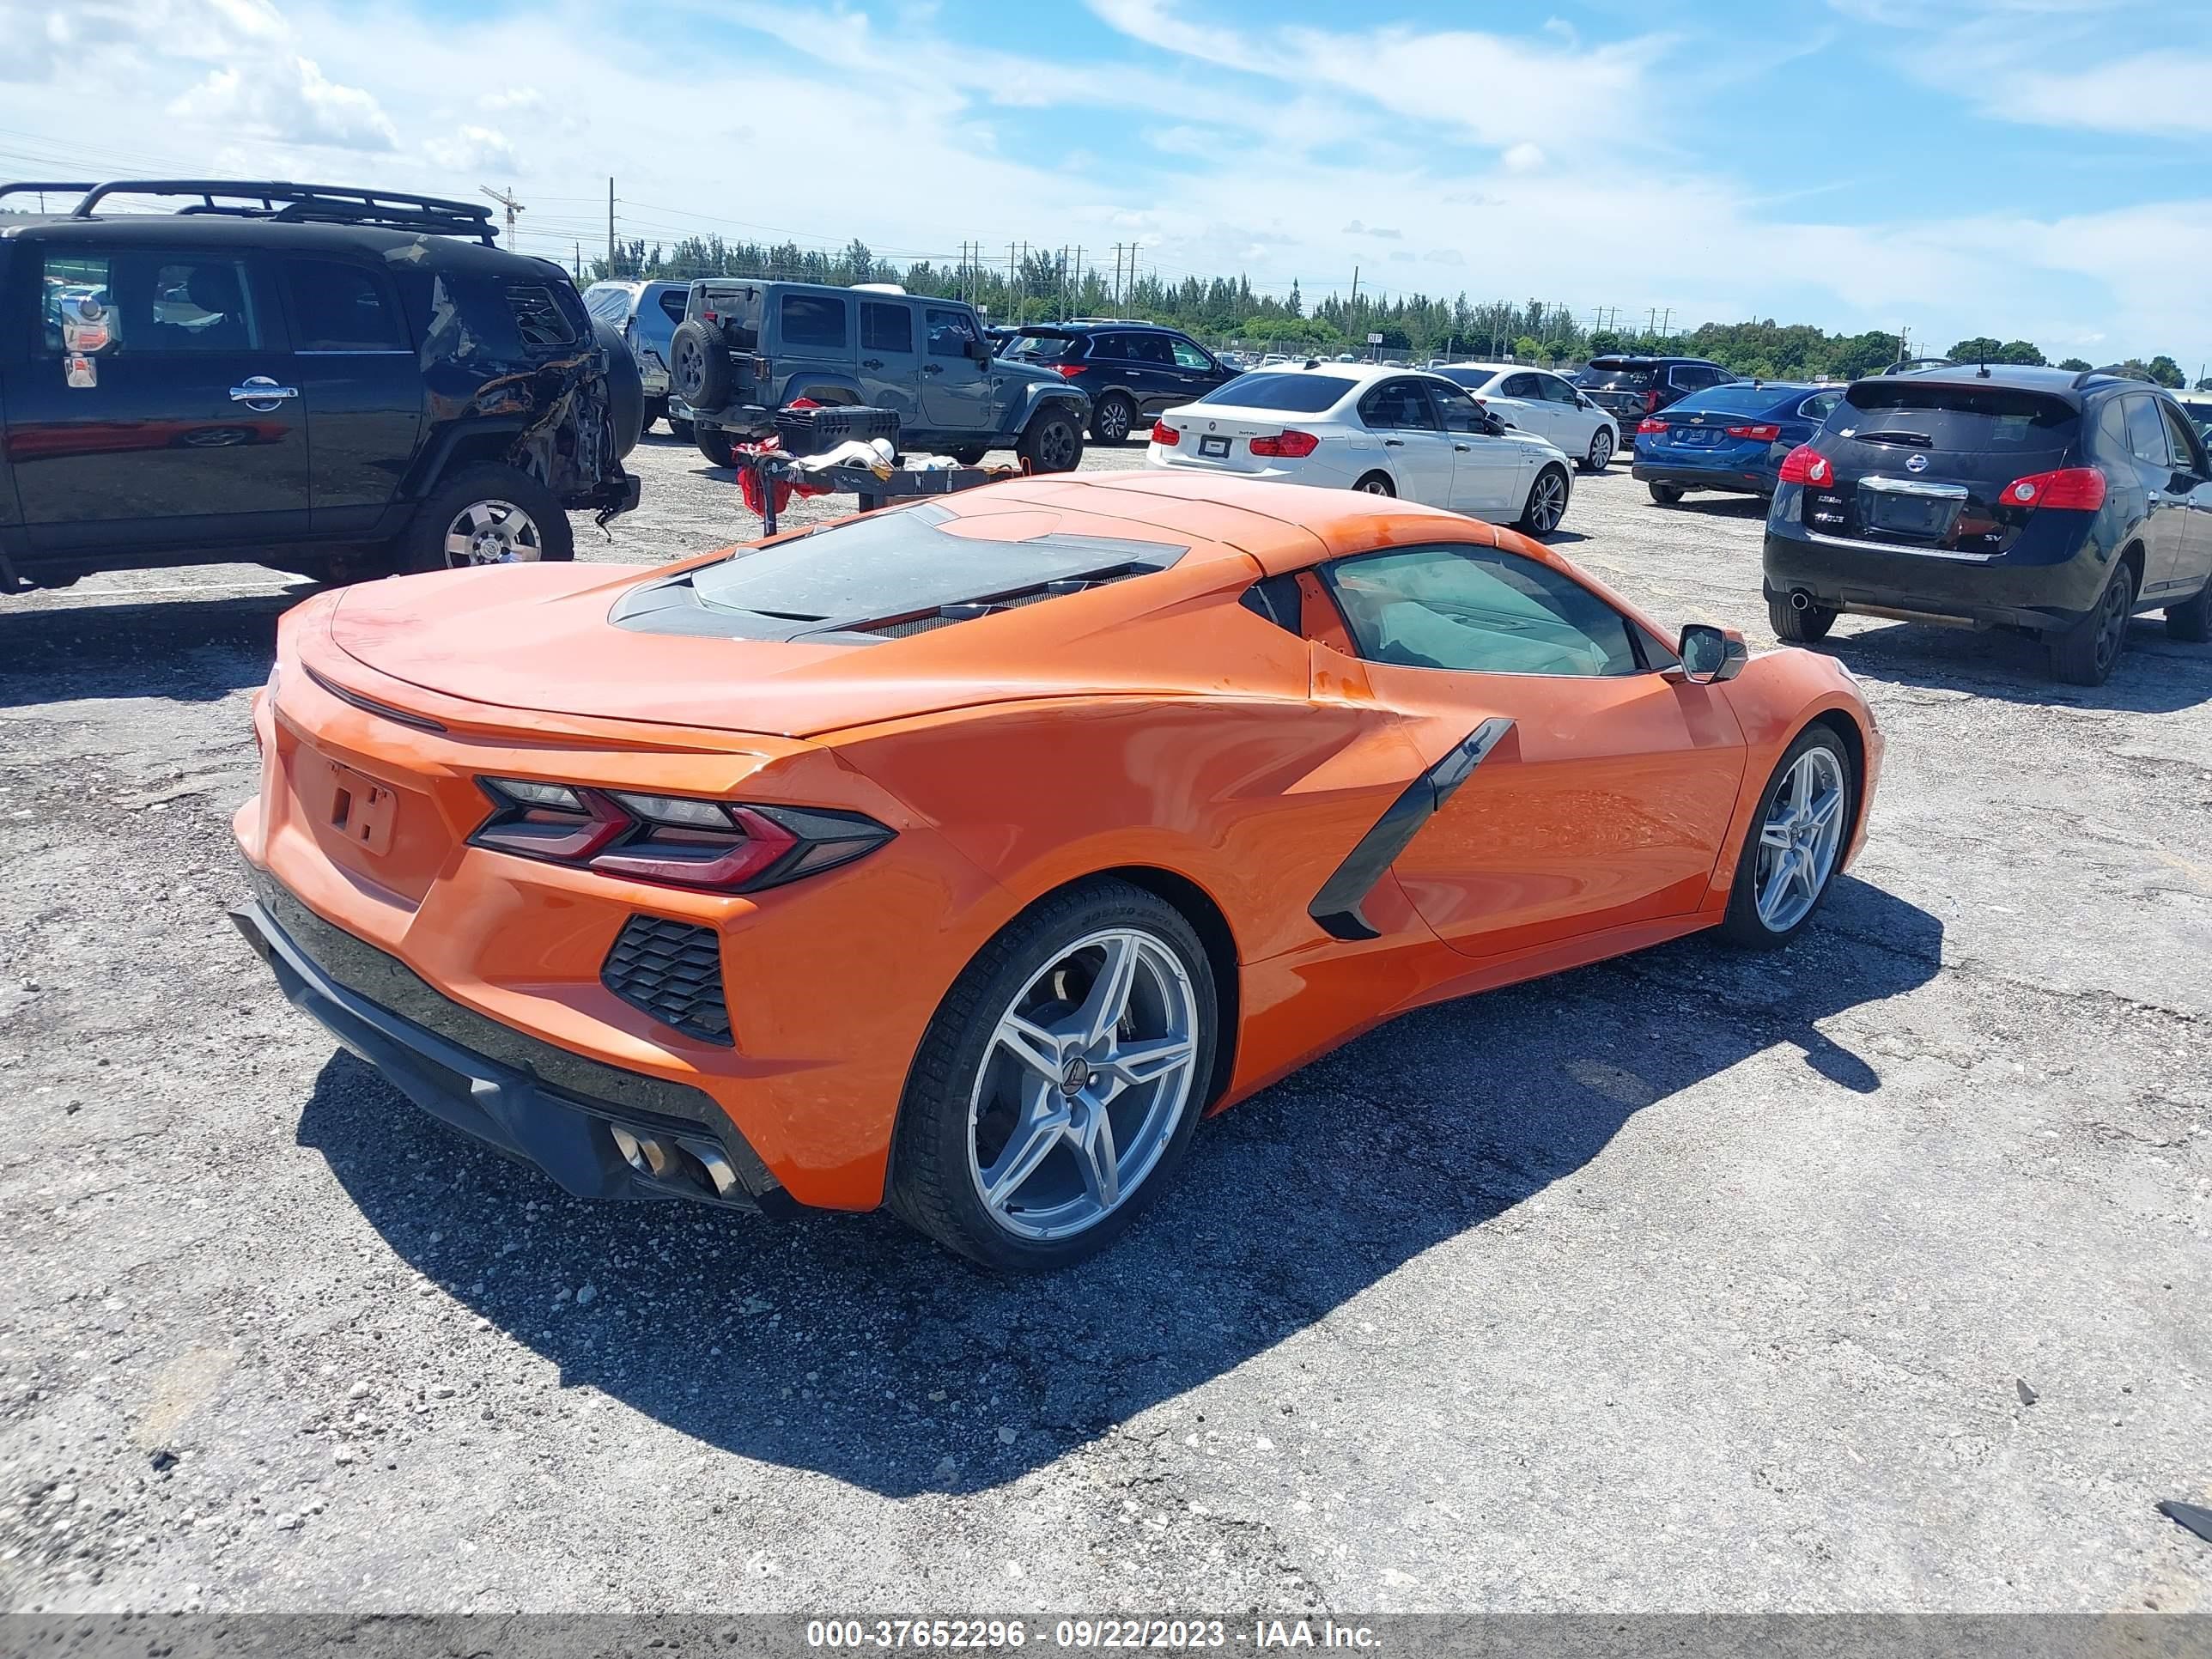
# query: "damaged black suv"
{"points": [[338, 383]]}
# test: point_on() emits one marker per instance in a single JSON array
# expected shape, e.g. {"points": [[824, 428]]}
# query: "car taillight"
{"points": [[1764, 434], [724, 846], [1165, 434], [1649, 425], [1806, 465], [1069, 370], [2081, 488], [1291, 444]]}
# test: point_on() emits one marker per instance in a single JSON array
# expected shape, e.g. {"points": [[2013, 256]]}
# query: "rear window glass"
{"points": [[1474, 378], [1296, 394], [609, 305], [1739, 399], [1961, 417], [1037, 348], [1614, 379]]}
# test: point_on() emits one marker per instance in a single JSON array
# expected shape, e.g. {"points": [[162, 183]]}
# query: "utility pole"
{"points": [[580, 263], [1013, 309], [610, 226], [1666, 323], [1078, 277], [512, 206]]}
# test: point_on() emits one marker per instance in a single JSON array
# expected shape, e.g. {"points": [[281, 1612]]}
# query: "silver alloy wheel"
{"points": [[1547, 503], [1112, 421], [493, 533], [1083, 1085], [1799, 842], [1377, 485], [1600, 450]]}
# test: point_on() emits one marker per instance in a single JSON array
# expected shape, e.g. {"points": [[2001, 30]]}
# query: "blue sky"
{"points": [[2037, 168]]}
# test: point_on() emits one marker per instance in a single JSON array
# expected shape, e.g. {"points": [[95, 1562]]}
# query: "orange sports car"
{"points": [[960, 856]]}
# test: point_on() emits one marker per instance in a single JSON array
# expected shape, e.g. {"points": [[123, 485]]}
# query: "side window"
{"points": [[949, 333], [2113, 431], [2147, 433], [672, 303], [1818, 407], [147, 301], [1151, 350], [1694, 377], [1479, 610], [1402, 405], [886, 327], [1187, 355], [1110, 349], [1556, 390], [2187, 454], [1521, 385], [342, 307], [1461, 411], [813, 320]]}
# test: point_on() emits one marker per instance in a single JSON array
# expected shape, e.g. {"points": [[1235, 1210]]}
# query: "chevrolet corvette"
{"points": [[960, 857]]}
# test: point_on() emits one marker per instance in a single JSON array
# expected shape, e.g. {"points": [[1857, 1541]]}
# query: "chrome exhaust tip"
{"points": [[1801, 599], [696, 1166]]}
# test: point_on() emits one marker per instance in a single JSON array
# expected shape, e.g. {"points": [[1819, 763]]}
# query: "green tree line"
{"points": [[1040, 286]]}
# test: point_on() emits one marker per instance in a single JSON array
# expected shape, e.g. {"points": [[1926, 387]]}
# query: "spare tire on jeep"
{"points": [[699, 366]]}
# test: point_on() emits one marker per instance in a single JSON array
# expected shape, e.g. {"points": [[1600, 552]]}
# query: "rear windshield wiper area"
{"points": [[1909, 439]]}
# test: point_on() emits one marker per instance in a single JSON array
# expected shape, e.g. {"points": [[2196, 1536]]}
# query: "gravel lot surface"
{"points": [[1874, 1275]]}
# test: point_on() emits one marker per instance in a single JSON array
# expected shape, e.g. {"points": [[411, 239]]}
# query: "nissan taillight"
{"points": [[1164, 434], [2081, 488], [724, 846], [1758, 429], [1806, 465], [1289, 445]]}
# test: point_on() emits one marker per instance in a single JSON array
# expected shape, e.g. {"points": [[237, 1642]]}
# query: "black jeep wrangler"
{"points": [[747, 347], [338, 383]]}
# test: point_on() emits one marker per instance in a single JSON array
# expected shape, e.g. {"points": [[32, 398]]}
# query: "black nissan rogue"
{"points": [[2054, 504]]}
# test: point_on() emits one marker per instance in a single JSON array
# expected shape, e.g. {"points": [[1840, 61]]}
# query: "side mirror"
{"points": [[1710, 654], [980, 351]]}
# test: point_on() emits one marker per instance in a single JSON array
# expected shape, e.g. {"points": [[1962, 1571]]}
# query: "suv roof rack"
{"points": [[289, 204], [2112, 372], [40, 186]]}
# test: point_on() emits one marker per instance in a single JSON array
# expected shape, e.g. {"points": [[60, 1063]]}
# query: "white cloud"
{"points": [[289, 99], [1523, 158], [38, 39], [475, 150]]}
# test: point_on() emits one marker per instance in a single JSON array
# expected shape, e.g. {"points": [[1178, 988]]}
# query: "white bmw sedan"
{"points": [[1536, 400], [1362, 426]]}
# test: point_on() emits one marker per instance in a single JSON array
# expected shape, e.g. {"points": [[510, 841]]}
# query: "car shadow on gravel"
{"points": [[2155, 675], [849, 1347], [194, 649]]}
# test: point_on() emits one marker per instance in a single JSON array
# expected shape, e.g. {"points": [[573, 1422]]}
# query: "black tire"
{"points": [[1594, 461], [1052, 442], [423, 545], [1742, 925], [1538, 516], [1666, 494], [717, 446], [1795, 627], [656, 408], [625, 389], [2191, 620], [933, 1187], [2085, 655], [1113, 417], [970, 454], [699, 367], [682, 429], [1376, 483]]}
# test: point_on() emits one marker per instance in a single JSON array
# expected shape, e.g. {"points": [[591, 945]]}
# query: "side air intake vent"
{"points": [[673, 970]]}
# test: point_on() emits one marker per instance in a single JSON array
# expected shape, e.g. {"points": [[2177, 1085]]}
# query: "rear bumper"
{"points": [[1738, 479], [542, 1104], [1869, 581]]}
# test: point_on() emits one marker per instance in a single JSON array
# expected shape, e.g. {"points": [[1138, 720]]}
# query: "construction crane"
{"points": [[506, 199]]}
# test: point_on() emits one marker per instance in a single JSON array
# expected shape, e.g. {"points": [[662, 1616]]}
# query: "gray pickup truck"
{"points": [[747, 347]]}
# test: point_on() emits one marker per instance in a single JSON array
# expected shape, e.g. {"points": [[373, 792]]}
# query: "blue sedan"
{"points": [[1729, 438]]}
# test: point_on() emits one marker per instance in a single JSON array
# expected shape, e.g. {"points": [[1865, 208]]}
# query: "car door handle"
{"points": [[1394, 443], [1464, 448], [932, 368], [871, 362], [260, 389]]}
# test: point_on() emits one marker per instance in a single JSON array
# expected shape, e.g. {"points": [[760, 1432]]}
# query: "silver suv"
{"points": [[647, 314]]}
